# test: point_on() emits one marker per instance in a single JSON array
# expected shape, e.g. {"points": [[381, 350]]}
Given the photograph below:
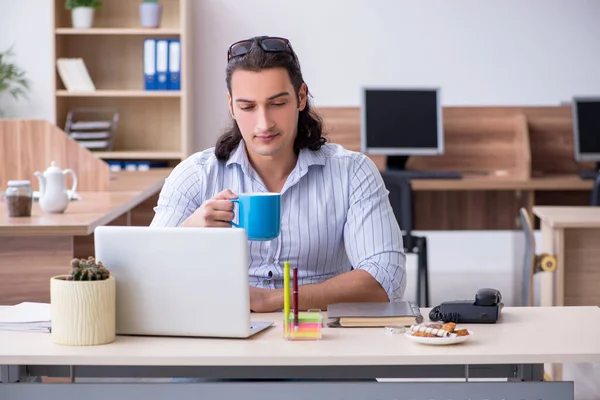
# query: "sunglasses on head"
{"points": [[267, 43]]}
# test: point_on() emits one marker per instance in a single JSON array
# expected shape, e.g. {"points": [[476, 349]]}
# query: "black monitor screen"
{"points": [[401, 121], [587, 125]]}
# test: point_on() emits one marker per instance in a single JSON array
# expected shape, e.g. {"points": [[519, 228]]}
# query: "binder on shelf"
{"points": [[150, 64], [162, 64], [174, 70]]}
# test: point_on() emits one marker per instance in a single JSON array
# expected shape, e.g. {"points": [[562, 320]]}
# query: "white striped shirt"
{"points": [[335, 215]]}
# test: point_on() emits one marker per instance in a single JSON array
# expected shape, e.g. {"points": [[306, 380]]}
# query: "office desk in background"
{"points": [[572, 234], [34, 249], [515, 349]]}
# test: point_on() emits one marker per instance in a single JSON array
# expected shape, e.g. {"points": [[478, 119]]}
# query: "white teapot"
{"points": [[54, 196]]}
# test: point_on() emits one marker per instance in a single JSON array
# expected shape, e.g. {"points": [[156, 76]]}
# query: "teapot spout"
{"points": [[42, 181]]}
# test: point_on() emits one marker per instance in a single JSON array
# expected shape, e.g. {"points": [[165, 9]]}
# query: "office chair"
{"points": [[595, 201], [400, 190], [532, 263]]}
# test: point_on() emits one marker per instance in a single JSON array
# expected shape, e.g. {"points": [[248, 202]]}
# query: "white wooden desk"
{"points": [[515, 348]]}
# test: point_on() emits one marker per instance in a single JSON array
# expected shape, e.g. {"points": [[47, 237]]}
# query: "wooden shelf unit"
{"points": [[153, 125]]}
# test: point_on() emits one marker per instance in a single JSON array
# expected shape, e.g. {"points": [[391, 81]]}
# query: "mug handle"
{"points": [[231, 222]]}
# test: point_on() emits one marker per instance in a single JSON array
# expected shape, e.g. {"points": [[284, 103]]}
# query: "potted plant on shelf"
{"points": [[150, 13], [82, 12], [12, 78], [83, 305]]}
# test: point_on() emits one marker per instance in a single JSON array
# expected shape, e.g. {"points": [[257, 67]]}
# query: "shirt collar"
{"points": [[306, 158], [239, 156]]}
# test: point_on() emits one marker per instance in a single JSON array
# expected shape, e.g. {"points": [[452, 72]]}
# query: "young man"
{"points": [[337, 225]]}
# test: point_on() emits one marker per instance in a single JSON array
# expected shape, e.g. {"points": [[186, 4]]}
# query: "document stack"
{"points": [[162, 64], [26, 317]]}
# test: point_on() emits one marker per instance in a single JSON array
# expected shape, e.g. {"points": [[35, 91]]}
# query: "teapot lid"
{"points": [[53, 167]]}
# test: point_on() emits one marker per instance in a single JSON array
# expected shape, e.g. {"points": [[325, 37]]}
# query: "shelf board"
{"points": [[138, 155], [119, 31], [120, 93]]}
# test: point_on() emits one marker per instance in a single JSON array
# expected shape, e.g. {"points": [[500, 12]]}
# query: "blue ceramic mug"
{"points": [[259, 214]]}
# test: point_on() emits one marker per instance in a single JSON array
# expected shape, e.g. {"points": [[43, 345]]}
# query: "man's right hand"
{"points": [[214, 212]]}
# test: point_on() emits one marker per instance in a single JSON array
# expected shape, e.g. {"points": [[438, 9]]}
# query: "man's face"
{"points": [[266, 109]]}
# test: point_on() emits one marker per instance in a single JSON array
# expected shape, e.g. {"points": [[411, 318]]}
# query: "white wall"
{"points": [[481, 53], [26, 25]]}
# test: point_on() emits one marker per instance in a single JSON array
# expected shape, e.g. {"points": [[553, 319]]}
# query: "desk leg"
{"points": [[552, 291], [28, 262]]}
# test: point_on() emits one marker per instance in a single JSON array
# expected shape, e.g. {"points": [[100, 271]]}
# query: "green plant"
{"points": [[12, 78], [71, 4], [88, 270]]}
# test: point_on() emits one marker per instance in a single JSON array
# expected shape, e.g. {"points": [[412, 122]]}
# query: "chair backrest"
{"points": [[400, 197], [528, 260], [596, 192]]}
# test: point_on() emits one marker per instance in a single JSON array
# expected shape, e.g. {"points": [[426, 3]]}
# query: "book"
{"points": [[26, 316], [74, 75], [397, 313]]}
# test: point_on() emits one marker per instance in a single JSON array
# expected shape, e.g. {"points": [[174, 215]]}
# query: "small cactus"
{"points": [[88, 270]]}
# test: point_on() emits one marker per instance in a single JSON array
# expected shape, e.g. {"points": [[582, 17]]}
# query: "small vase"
{"points": [[150, 15], [82, 17]]}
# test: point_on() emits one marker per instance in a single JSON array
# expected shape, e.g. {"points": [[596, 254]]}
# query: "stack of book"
{"points": [[394, 314]]}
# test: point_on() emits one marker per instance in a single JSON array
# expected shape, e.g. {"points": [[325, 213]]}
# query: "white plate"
{"points": [[438, 341]]}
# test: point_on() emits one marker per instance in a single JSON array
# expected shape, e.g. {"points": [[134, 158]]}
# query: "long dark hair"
{"points": [[310, 124]]}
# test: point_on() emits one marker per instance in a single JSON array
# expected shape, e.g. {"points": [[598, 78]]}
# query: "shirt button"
{"points": [[271, 260]]}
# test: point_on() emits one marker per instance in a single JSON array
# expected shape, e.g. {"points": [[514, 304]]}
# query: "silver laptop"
{"points": [[179, 281]]}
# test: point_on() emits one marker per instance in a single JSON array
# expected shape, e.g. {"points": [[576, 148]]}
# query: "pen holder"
{"points": [[310, 326]]}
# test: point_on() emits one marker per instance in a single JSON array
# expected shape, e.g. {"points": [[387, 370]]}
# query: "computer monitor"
{"points": [[586, 129], [400, 122]]}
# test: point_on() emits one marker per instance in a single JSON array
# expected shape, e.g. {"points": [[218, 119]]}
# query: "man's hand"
{"points": [[214, 212], [265, 300]]}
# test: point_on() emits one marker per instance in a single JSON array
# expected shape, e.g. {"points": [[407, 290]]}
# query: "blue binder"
{"points": [[174, 71], [162, 64], [150, 64]]}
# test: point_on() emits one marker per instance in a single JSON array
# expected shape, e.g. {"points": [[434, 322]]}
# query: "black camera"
{"points": [[485, 309]]}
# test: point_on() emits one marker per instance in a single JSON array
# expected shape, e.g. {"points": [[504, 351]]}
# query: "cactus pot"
{"points": [[83, 313]]}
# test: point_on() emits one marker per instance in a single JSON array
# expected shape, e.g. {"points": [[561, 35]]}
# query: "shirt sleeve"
{"points": [[372, 236], [180, 196]]}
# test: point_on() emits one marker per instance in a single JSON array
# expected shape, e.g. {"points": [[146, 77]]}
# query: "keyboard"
{"points": [[591, 174], [424, 174]]}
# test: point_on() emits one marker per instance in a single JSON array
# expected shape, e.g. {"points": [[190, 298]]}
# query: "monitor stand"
{"points": [[593, 174], [397, 166]]}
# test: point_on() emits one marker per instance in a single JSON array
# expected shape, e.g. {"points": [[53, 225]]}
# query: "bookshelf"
{"points": [[153, 126]]}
